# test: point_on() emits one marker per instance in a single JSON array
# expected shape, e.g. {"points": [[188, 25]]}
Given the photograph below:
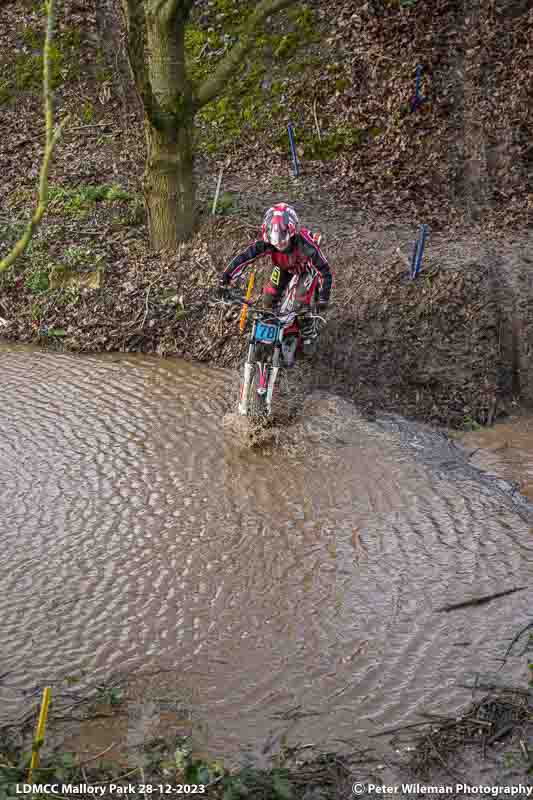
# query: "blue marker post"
{"points": [[418, 252], [295, 163]]}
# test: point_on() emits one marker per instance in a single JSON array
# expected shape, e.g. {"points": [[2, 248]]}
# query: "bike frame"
{"points": [[264, 361], [267, 368]]}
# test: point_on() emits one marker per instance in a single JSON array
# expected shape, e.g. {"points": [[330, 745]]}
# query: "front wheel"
{"points": [[256, 403], [251, 403]]}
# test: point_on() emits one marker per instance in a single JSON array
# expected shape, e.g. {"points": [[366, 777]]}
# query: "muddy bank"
{"points": [[484, 750], [505, 450], [452, 347]]}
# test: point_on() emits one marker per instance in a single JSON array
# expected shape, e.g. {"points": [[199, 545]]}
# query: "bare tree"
{"points": [[156, 51], [52, 135]]}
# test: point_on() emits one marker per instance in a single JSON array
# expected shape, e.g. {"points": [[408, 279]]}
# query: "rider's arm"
{"points": [[313, 252], [241, 262]]}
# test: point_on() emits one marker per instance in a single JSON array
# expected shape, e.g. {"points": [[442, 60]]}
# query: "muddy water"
{"points": [[298, 580], [505, 450]]}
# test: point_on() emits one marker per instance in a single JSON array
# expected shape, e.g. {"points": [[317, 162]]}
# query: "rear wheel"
{"points": [[311, 346]]}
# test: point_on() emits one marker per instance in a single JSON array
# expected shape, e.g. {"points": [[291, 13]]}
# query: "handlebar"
{"points": [[237, 298]]}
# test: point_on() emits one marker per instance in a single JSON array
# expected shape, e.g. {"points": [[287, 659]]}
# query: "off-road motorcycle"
{"points": [[275, 341]]}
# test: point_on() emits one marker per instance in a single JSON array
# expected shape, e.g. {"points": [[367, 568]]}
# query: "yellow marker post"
{"points": [[244, 312], [39, 734]]}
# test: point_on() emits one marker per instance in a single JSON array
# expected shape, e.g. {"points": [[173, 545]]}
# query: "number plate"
{"points": [[265, 332]]}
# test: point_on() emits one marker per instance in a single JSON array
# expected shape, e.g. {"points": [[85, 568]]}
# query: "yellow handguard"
{"points": [[244, 312]]}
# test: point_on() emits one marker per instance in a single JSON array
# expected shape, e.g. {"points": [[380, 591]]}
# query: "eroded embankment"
{"points": [[452, 347]]}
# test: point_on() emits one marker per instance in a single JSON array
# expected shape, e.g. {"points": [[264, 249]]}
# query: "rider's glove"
{"points": [[323, 306]]}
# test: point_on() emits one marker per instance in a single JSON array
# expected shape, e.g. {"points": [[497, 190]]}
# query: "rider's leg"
{"points": [[308, 326], [275, 286]]}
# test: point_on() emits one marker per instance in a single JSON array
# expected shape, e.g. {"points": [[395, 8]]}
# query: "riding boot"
{"points": [[309, 333]]}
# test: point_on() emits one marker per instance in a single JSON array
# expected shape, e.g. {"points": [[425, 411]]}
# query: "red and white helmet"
{"points": [[280, 225]]}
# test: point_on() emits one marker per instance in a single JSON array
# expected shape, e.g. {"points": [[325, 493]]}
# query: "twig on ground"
{"points": [[524, 749], [143, 781], [98, 755], [93, 125], [316, 121], [501, 733], [146, 304], [115, 780], [477, 601], [469, 456], [401, 728], [493, 687], [215, 201], [442, 761], [516, 638], [404, 258], [211, 346]]}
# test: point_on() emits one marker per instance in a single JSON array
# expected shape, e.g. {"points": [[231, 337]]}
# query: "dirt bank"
{"points": [[453, 347], [104, 736]]}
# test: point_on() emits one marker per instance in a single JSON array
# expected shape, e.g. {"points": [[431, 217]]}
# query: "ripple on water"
{"points": [[135, 528]]}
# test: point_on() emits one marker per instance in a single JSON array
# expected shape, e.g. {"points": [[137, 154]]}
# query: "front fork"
{"points": [[250, 366], [273, 376]]}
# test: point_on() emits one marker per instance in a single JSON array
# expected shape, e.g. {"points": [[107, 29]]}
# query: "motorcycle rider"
{"points": [[292, 249]]}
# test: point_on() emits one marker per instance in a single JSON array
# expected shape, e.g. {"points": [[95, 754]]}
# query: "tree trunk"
{"points": [[156, 51], [169, 186]]}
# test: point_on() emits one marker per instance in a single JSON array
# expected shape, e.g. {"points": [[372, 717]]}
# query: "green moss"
{"points": [[102, 71], [470, 424], [33, 37], [341, 84], [37, 281], [28, 70], [197, 42], [78, 202], [19, 197], [103, 74], [25, 71], [334, 68], [305, 18], [248, 102], [332, 143], [6, 93], [227, 7], [87, 112], [287, 45], [38, 309], [70, 39], [67, 296], [226, 204]]}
